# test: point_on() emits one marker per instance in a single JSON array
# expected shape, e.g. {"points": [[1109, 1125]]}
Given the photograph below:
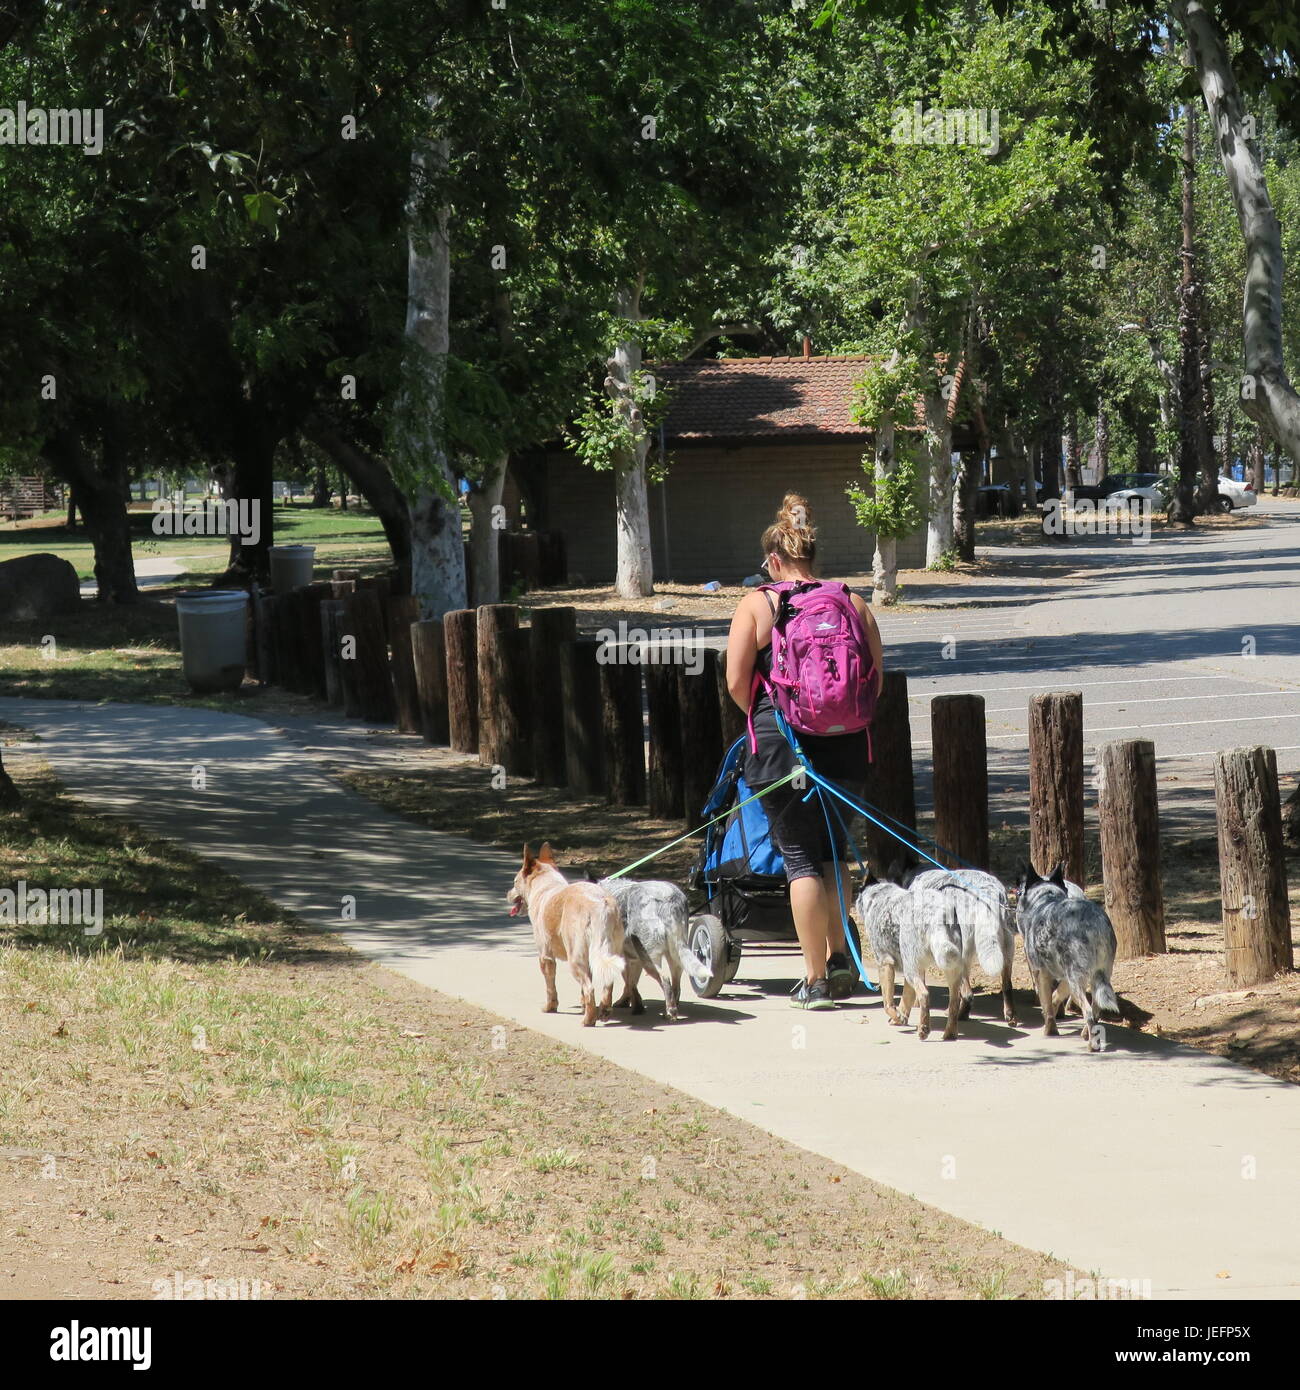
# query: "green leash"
{"points": [[789, 777]]}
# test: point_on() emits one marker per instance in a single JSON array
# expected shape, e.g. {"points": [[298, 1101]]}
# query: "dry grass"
{"points": [[212, 1091]]}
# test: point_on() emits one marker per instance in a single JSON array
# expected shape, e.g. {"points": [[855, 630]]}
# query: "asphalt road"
{"points": [[1191, 642]]}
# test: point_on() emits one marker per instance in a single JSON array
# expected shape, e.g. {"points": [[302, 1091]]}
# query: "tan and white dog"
{"points": [[577, 922]]}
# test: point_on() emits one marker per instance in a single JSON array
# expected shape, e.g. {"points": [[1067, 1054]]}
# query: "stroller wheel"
{"points": [[709, 942]]}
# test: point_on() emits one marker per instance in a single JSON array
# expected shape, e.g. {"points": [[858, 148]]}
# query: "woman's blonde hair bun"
{"points": [[792, 535]]}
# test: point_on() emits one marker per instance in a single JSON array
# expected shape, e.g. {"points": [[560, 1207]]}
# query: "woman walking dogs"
{"points": [[809, 649]]}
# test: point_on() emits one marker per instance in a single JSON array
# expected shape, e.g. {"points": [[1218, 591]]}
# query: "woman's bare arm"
{"points": [[873, 640], [742, 648]]}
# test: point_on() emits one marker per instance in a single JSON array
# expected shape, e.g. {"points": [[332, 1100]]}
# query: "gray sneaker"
{"points": [[811, 996]]}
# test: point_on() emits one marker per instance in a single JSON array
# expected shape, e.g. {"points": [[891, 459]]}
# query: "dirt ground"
{"points": [[211, 1100]]}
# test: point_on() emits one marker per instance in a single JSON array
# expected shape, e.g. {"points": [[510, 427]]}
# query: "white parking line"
{"points": [[1137, 680], [1163, 700]]}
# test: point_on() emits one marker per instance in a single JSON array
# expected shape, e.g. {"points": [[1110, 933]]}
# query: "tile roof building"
{"points": [[739, 434]]}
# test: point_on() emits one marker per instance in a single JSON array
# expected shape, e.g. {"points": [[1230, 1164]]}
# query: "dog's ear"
{"points": [[529, 861], [1057, 876], [871, 880], [1028, 875], [895, 871], [592, 875], [544, 854]]}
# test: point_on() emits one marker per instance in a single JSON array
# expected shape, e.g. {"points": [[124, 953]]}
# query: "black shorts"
{"points": [[799, 828]]}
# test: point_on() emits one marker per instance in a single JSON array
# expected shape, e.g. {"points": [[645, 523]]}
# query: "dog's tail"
{"points": [[990, 928], [1103, 995], [695, 965], [606, 971]]}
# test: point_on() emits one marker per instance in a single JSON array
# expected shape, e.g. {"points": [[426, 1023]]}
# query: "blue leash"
{"points": [[821, 786]]}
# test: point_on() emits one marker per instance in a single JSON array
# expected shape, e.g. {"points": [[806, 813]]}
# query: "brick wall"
{"points": [[719, 501]]}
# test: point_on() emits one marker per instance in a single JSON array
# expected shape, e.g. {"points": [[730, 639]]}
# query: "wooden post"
{"points": [[733, 717], [365, 615], [288, 643], [517, 725], [551, 628], [890, 783], [346, 638], [697, 695], [264, 637], [528, 560], [341, 588], [624, 731], [1056, 783], [959, 756], [664, 795], [313, 596], [495, 726], [584, 749], [403, 610], [1252, 870], [330, 612], [1129, 818], [460, 628], [429, 657]]}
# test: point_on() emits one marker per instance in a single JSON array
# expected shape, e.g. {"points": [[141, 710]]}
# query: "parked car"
{"points": [[1232, 494], [997, 499], [1109, 485]]}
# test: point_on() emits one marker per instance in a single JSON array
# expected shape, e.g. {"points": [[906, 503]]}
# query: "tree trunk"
{"points": [[938, 428], [1070, 444], [253, 458], [485, 534], [1031, 479], [884, 562], [320, 493], [1267, 395], [635, 572], [374, 480], [1191, 402], [1049, 457], [437, 544], [968, 479], [101, 496], [1257, 456], [1102, 440], [10, 797]]}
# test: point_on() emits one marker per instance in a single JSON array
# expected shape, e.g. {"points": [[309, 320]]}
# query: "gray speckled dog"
{"points": [[916, 930], [656, 939], [1069, 942]]}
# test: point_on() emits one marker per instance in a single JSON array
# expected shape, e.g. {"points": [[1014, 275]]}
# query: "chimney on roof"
{"points": [[807, 346]]}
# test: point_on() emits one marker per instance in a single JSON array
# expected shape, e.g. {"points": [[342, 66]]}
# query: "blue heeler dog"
{"points": [[656, 939], [917, 930], [1070, 944], [988, 928]]}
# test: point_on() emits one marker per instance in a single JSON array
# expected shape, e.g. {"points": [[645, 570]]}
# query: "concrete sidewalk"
{"points": [[1147, 1162]]}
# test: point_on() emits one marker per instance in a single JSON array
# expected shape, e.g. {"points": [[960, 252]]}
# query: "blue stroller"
{"points": [[740, 875]]}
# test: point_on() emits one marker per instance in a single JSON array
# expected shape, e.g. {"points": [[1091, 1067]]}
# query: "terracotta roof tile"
{"points": [[744, 397]]}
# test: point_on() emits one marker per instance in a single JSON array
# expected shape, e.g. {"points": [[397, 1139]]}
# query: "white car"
{"points": [[1232, 495]]}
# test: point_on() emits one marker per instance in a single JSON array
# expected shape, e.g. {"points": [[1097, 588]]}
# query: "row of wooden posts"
{"points": [[539, 701]]}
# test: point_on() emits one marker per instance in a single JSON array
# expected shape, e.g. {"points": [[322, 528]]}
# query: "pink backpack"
{"points": [[822, 677]]}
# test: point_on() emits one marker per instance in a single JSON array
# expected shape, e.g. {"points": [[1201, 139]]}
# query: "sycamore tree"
{"points": [[968, 192], [680, 128]]}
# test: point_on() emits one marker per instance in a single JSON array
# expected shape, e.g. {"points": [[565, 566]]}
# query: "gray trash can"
{"points": [[291, 566], [214, 638]]}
